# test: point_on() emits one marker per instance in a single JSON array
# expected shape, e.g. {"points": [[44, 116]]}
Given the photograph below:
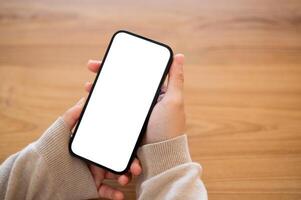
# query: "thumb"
{"points": [[176, 76], [72, 114]]}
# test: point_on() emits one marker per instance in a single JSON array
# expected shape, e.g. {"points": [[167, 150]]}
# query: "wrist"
{"points": [[151, 138]]}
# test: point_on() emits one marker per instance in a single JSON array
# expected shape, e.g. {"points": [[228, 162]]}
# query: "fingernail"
{"points": [[179, 59]]}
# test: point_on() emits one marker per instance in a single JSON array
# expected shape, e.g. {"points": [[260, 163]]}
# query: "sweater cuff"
{"points": [[158, 157], [71, 176]]}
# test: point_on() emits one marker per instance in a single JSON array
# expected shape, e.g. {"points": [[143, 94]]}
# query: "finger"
{"points": [[122, 179], [110, 175], [164, 85], [161, 96], [136, 168], [94, 65], [72, 114], [162, 93], [106, 191], [163, 89], [98, 174], [88, 86], [125, 179], [176, 75]]}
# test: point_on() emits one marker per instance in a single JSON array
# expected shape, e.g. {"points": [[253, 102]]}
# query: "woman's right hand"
{"points": [[167, 119]]}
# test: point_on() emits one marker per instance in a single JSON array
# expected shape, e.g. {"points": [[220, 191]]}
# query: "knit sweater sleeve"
{"points": [[168, 172], [45, 170]]}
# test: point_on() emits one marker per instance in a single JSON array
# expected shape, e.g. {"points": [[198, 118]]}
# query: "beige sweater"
{"points": [[46, 170]]}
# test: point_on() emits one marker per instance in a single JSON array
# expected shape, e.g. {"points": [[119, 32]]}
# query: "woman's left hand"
{"points": [[100, 174]]}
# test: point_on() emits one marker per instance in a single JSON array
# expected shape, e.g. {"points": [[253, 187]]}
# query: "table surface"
{"points": [[242, 79]]}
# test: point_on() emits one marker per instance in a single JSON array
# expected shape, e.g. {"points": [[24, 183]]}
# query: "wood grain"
{"points": [[242, 79]]}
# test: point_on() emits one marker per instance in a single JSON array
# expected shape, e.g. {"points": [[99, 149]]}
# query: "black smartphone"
{"points": [[123, 95]]}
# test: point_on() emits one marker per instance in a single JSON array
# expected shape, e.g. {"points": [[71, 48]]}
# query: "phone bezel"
{"points": [[143, 129]]}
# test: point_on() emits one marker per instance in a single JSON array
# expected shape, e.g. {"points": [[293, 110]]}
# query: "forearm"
{"points": [[168, 172], [45, 169]]}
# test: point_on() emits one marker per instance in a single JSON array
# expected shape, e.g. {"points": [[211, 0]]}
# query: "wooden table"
{"points": [[243, 79]]}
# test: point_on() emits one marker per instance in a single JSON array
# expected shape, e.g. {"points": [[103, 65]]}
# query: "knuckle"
{"points": [[180, 76], [175, 101]]}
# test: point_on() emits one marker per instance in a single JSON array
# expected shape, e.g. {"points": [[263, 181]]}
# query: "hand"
{"points": [[167, 119], [100, 174], [168, 116]]}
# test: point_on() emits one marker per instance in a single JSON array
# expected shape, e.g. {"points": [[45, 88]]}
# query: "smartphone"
{"points": [[121, 100]]}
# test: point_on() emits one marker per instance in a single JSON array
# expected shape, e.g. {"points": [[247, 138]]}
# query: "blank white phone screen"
{"points": [[121, 99]]}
